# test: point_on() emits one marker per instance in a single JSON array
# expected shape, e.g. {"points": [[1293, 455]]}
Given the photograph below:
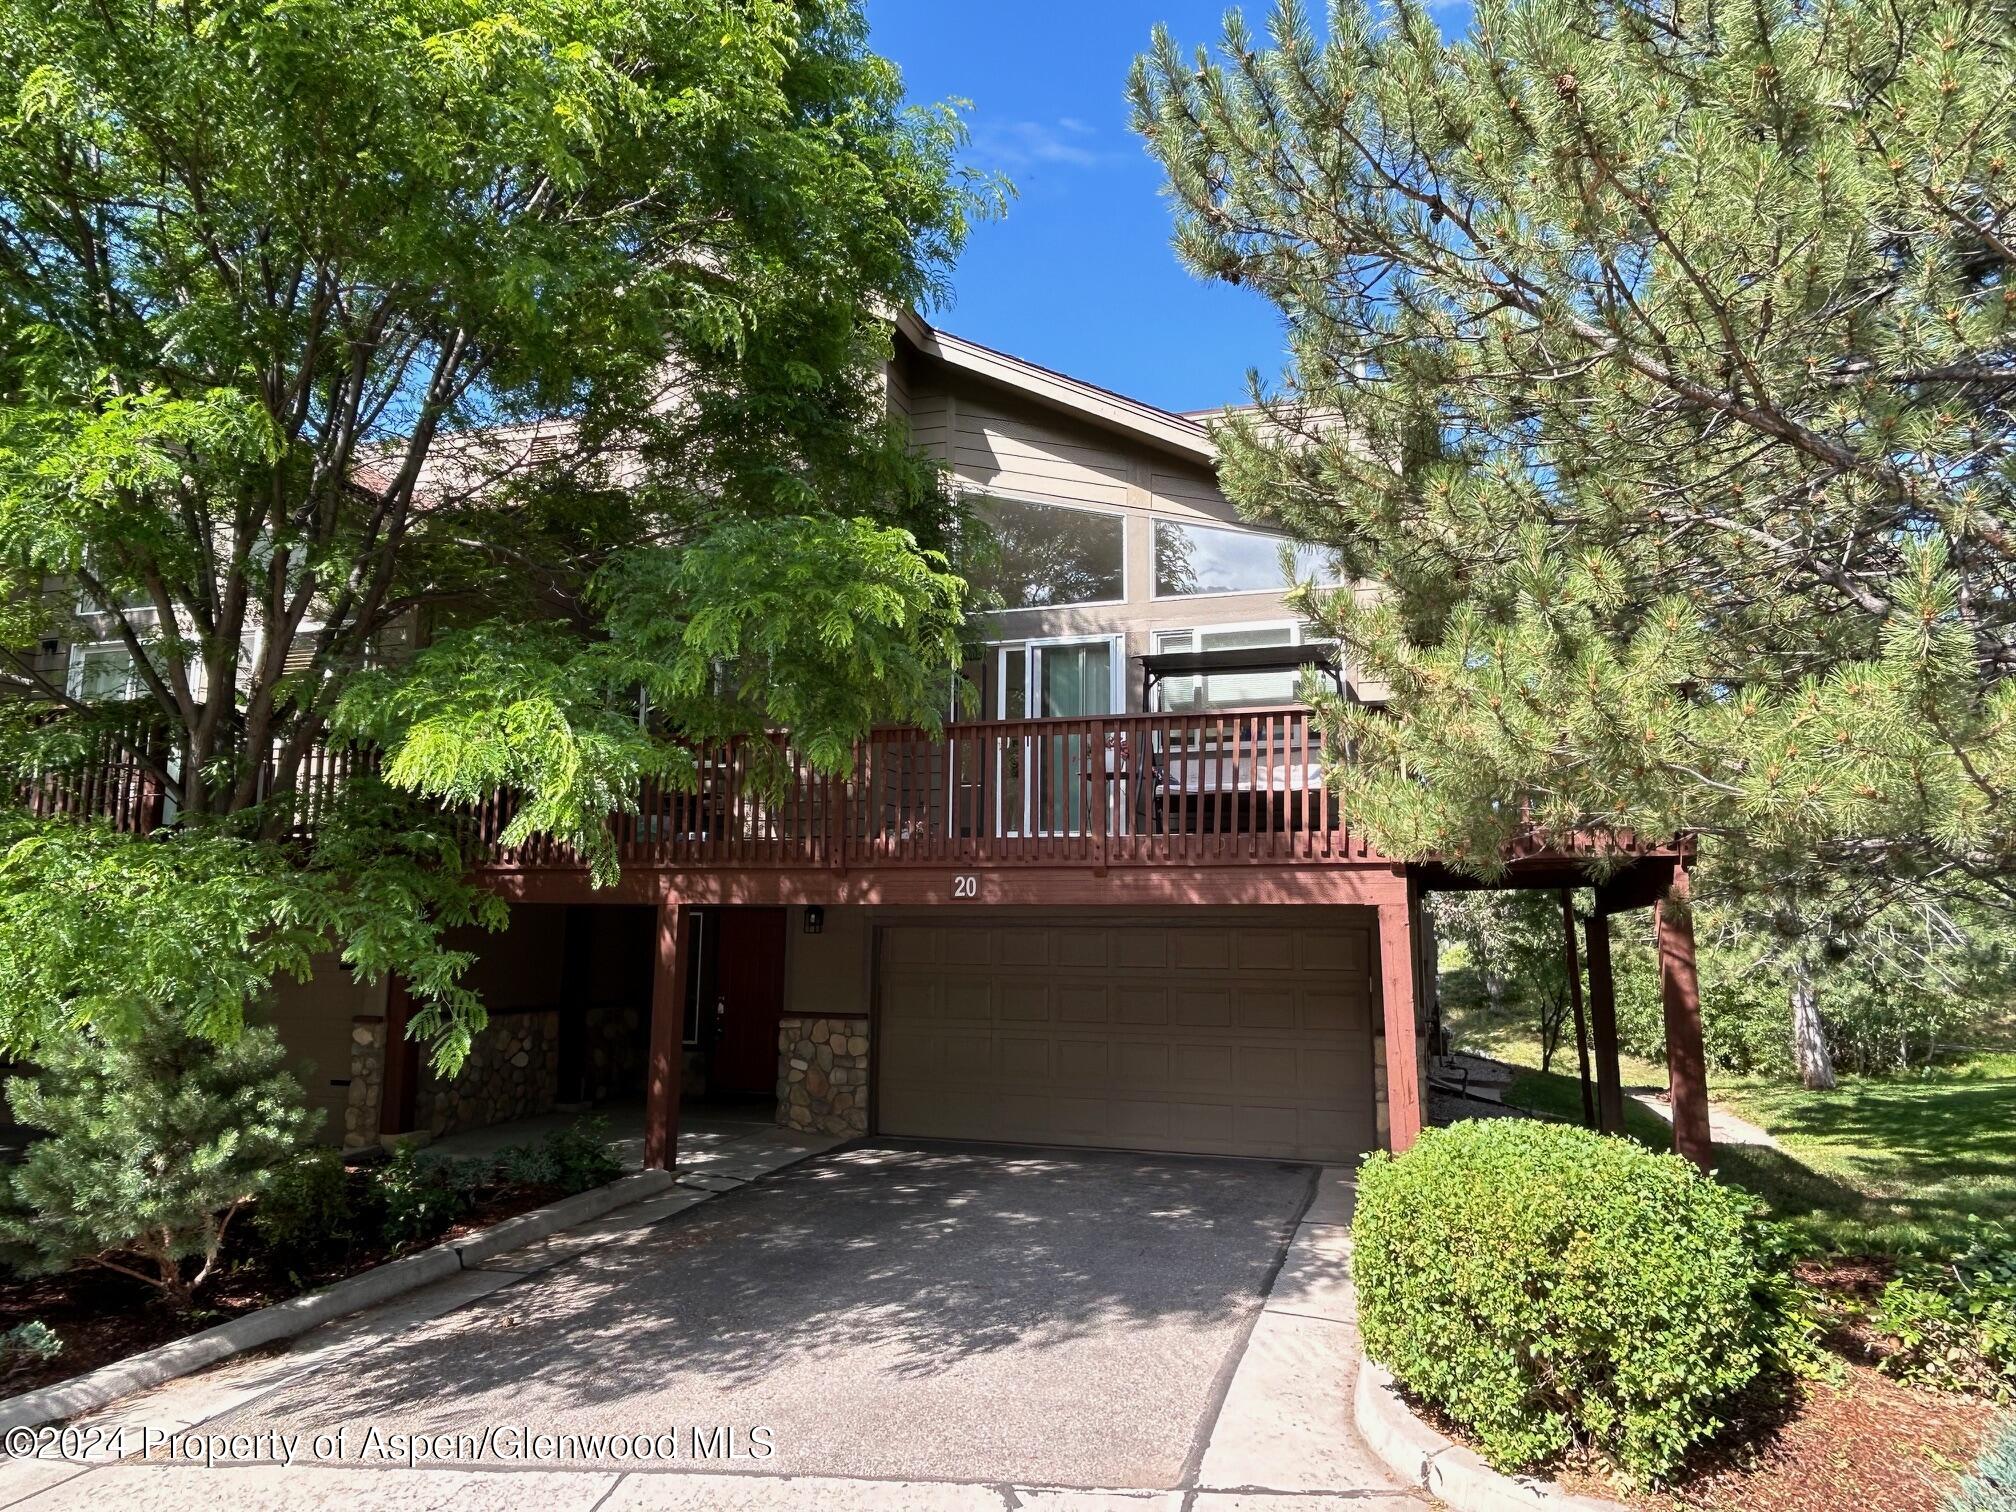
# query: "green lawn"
{"points": [[1922, 1153], [1877, 1163]]}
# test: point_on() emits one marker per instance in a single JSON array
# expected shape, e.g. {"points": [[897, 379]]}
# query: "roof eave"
{"points": [[1170, 432]]}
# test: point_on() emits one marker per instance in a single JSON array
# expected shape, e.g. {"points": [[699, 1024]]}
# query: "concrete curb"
{"points": [[297, 1315], [1444, 1468]]}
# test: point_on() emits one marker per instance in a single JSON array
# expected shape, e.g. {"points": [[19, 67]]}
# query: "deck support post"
{"points": [[668, 1024], [1575, 1005], [1603, 1025], [1398, 963], [1680, 991], [398, 1099]]}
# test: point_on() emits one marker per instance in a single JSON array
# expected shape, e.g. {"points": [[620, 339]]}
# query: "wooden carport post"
{"points": [[668, 1025], [1603, 1025], [1397, 966], [1680, 991], [1575, 1003], [399, 1096]]}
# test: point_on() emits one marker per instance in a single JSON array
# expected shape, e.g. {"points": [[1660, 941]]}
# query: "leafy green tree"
{"points": [[1516, 945], [547, 337], [1674, 349], [158, 1140]]}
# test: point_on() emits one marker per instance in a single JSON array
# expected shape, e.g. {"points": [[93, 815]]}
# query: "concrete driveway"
{"points": [[890, 1314]]}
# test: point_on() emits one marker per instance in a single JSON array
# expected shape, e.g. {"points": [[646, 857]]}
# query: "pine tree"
{"points": [[157, 1142], [1655, 362]]}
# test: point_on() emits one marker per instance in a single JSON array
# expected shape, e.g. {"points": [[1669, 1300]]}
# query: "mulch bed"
{"points": [[102, 1316], [1865, 1441]]}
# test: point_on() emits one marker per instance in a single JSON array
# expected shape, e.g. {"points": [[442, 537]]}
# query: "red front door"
{"points": [[749, 1000]]}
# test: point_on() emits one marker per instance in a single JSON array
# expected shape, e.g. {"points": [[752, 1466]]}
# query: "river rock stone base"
{"points": [[513, 1072], [822, 1075], [367, 1081]]}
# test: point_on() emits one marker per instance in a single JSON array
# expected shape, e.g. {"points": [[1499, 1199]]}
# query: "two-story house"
{"points": [[1112, 906]]}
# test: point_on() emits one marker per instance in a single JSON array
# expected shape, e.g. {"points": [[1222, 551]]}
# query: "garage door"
{"points": [[1231, 1036]]}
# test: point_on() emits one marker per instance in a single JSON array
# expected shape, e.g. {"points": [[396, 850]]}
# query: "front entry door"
{"points": [[749, 1001]]}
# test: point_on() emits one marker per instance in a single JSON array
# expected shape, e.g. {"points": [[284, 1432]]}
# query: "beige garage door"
{"points": [[1214, 1035]]}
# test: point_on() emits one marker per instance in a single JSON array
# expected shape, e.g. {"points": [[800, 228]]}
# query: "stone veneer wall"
{"points": [[513, 1071], [822, 1075], [367, 1081]]}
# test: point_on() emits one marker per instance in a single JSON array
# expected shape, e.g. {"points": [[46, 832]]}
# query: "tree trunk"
{"points": [[1809, 1044]]}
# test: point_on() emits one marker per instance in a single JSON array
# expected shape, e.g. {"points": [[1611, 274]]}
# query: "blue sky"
{"points": [[1079, 276]]}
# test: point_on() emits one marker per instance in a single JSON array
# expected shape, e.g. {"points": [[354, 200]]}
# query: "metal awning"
{"points": [[1321, 658]]}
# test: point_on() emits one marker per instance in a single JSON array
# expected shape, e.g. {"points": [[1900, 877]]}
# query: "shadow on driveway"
{"points": [[889, 1310]]}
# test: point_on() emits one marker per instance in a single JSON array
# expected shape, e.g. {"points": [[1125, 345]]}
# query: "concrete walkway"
{"points": [[913, 1327], [1724, 1127]]}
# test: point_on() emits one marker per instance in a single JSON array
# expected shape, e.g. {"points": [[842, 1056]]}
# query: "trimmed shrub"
{"points": [[1551, 1289], [420, 1195], [310, 1210], [25, 1346]]}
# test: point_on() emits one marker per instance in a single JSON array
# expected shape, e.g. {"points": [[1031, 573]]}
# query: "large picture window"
{"points": [[1047, 555], [1195, 559]]}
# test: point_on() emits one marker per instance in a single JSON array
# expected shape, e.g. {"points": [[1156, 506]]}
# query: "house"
{"points": [[1111, 906]]}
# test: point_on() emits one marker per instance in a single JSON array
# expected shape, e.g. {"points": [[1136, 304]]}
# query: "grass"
{"points": [[1924, 1153]]}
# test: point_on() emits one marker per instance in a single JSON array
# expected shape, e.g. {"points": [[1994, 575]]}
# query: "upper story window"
{"points": [[133, 603], [1051, 555], [102, 672], [1194, 693], [1197, 559]]}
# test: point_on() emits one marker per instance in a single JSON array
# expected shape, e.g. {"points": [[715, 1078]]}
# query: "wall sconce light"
{"points": [[815, 919]]}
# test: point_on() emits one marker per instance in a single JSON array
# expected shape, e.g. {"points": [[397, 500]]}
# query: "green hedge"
{"points": [[1550, 1289]]}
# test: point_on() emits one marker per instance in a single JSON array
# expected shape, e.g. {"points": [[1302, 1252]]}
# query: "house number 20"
{"points": [[965, 887]]}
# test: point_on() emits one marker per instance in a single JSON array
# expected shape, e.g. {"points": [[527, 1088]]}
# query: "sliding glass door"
{"points": [[1050, 775]]}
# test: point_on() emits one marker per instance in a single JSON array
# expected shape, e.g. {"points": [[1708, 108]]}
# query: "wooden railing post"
{"points": [[1101, 796]]}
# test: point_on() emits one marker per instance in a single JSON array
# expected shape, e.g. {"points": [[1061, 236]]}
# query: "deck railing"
{"points": [[1238, 787], [1219, 788]]}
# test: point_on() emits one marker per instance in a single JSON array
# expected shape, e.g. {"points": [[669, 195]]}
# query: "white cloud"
{"points": [[1018, 146]]}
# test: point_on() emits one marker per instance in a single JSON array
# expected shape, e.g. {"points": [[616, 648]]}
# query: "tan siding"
{"points": [[314, 1020], [1190, 494], [997, 450], [826, 974]]}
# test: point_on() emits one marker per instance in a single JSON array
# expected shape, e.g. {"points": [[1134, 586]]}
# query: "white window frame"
{"points": [[1029, 763], [1028, 646], [81, 652], [1156, 597], [1298, 632], [981, 493], [90, 609]]}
